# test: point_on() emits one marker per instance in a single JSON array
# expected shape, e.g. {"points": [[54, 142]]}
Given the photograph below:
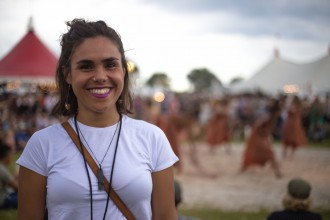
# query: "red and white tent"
{"points": [[29, 61]]}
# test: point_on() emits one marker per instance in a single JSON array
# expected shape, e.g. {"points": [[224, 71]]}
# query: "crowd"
{"points": [[22, 115]]}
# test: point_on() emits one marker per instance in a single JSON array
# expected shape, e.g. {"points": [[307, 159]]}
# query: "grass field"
{"points": [[218, 214]]}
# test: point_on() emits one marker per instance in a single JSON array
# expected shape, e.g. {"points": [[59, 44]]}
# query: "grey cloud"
{"points": [[295, 19], [254, 8]]}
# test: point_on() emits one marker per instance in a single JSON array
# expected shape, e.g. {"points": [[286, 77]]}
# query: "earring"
{"points": [[67, 106], [120, 104]]}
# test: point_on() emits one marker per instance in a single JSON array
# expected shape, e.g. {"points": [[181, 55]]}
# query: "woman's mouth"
{"points": [[100, 92]]}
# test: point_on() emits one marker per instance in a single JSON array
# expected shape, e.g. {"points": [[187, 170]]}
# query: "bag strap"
{"points": [[113, 195]]}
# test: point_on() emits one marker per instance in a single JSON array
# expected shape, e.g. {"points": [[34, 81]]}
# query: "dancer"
{"points": [[258, 150], [293, 134], [218, 127]]}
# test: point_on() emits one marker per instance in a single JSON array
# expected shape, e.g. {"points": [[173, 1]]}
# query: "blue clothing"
{"points": [[10, 201]]}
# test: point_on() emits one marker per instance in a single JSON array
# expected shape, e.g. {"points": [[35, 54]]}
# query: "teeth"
{"points": [[100, 91]]}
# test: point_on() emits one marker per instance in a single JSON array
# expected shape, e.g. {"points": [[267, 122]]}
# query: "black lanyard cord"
{"points": [[113, 165], [85, 162], [86, 168]]}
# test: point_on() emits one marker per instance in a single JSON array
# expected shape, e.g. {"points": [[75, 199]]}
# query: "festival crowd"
{"points": [[22, 115]]}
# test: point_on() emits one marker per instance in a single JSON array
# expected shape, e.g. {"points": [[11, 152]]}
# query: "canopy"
{"points": [[28, 61], [280, 75]]}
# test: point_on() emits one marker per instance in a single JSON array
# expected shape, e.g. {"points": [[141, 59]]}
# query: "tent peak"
{"points": [[276, 52], [30, 25]]}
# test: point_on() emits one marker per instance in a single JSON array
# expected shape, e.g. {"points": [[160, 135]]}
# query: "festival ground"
{"points": [[258, 188]]}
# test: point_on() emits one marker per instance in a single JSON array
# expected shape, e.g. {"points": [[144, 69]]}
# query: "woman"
{"points": [[135, 156], [218, 126], [293, 134], [258, 150]]}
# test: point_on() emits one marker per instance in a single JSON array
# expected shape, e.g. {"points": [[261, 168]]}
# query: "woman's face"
{"points": [[96, 76]]}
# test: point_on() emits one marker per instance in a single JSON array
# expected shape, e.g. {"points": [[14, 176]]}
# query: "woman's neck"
{"points": [[98, 120]]}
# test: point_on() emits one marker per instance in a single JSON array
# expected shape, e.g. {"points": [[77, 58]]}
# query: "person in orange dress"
{"points": [[179, 124], [258, 150], [171, 129], [293, 134], [218, 126]]}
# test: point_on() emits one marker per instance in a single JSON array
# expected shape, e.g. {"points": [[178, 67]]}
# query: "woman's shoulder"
{"points": [[49, 131], [138, 123]]}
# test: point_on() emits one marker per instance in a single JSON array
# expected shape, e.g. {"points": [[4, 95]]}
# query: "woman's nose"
{"points": [[100, 75]]}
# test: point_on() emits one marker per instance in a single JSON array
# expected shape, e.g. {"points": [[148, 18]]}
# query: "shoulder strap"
{"points": [[113, 195]]}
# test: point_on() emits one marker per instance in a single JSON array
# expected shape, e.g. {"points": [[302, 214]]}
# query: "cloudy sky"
{"points": [[231, 38]]}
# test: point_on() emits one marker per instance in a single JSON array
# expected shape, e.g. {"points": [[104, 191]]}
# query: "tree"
{"points": [[236, 80], [203, 80], [159, 79]]}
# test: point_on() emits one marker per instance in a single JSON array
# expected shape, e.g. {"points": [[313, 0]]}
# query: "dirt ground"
{"points": [[257, 188]]}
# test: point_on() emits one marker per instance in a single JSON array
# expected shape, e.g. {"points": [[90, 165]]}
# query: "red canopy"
{"points": [[29, 60]]}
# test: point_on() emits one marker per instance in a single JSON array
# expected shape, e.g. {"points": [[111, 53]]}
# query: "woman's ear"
{"points": [[67, 75], [68, 78]]}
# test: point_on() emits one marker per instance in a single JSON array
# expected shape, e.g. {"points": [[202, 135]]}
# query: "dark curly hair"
{"points": [[78, 31]]}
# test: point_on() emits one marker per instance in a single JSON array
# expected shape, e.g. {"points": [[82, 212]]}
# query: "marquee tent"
{"points": [[280, 75], [28, 62]]}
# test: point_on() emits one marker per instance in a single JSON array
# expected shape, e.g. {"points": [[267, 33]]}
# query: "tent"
{"points": [[280, 75], [28, 62]]}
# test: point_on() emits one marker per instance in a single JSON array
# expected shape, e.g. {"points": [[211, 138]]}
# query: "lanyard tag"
{"points": [[100, 179]]}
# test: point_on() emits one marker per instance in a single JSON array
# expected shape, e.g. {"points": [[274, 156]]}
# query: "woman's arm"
{"points": [[31, 195], [162, 201]]}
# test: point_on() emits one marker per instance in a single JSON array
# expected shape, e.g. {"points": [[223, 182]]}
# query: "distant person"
{"points": [[296, 203], [8, 182], [178, 200], [293, 134], [316, 120], [218, 128], [258, 150]]}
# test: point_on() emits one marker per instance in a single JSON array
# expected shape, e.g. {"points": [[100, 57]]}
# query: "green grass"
{"points": [[323, 143], [205, 214], [8, 214]]}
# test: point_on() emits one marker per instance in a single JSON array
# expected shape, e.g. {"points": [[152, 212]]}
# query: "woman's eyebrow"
{"points": [[84, 61], [110, 59]]}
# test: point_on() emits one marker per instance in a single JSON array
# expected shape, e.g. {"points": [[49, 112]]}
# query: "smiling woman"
{"points": [[132, 160], [97, 79]]}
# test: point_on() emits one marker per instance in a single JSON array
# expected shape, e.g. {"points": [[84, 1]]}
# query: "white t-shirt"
{"points": [[143, 149]]}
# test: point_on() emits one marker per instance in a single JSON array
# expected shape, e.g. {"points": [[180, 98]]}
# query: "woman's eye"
{"points": [[85, 67], [110, 65]]}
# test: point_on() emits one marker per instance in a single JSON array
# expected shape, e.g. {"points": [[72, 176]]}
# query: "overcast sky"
{"points": [[231, 38]]}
